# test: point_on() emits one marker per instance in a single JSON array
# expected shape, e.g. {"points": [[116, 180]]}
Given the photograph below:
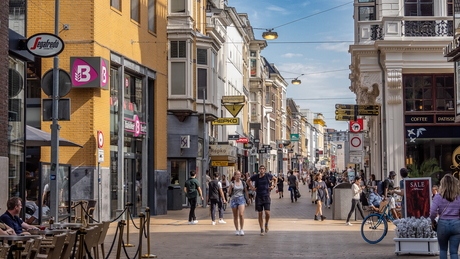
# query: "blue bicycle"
{"points": [[375, 226]]}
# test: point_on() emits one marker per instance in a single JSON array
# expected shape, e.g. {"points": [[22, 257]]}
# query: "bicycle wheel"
{"points": [[374, 228]]}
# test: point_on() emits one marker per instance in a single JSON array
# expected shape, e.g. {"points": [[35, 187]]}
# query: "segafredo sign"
{"points": [[45, 45], [89, 72]]}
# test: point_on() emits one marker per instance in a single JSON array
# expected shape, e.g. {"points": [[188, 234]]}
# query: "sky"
{"points": [[320, 89]]}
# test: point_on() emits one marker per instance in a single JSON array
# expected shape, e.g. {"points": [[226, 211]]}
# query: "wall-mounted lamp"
{"points": [[270, 35]]}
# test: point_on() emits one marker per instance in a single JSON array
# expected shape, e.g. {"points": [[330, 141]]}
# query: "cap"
{"points": [[392, 173]]}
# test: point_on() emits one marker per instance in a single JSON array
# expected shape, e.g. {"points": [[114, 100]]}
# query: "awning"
{"points": [[40, 138]]}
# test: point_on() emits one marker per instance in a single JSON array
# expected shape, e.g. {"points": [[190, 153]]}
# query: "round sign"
{"points": [[45, 45], [356, 127], [355, 142], [64, 83], [100, 139]]}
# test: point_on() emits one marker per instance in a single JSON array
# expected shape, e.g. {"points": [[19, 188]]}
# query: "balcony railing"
{"points": [[376, 32], [427, 28]]}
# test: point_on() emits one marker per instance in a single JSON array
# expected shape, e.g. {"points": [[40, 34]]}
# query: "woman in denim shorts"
{"points": [[238, 193]]}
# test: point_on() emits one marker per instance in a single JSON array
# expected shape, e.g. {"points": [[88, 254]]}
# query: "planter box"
{"points": [[427, 246]]}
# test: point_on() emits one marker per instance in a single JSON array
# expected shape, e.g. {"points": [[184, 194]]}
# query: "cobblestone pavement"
{"points": [[293, 234]]}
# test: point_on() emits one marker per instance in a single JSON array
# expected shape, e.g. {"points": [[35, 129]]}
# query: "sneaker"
{"points": [[262, 233], [213, 223], [266, 228], [348, 224], [241, 232], [221, 221], [195, 221], [191, 223], [237, 233]]}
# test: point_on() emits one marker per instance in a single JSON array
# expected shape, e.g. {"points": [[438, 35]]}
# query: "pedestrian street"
{"points": [[293, 234]]}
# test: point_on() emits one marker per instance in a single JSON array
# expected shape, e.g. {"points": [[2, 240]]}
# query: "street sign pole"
{"points": [[204, 162], [54, 196]]}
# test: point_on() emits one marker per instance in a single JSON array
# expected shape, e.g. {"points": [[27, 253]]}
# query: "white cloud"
{"points": [[339, 47], [291, 55], [277, 9]]}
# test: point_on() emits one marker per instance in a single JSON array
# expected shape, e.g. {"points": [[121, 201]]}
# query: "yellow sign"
{"points": [[227, 121], [234, 109], [234, 99], [219, 163], [319, 121]]}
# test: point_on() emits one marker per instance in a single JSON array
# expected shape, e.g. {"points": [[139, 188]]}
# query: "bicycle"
{"points": [[375, 226]]}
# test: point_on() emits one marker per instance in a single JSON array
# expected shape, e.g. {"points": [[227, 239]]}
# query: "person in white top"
{"points": [[356, 190]]}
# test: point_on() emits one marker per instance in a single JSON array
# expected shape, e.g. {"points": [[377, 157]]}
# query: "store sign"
{"points": [[135, 126], [45, 45], [417, 197], [419, 119], [295, 137], [445, 119], [219, 163], [222, 150], [89, 72], [226, 121]]}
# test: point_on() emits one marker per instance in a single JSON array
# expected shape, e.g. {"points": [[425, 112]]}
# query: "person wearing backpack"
{"points": [[262, 188], [216, 197], [192, 189], [238, 200]]}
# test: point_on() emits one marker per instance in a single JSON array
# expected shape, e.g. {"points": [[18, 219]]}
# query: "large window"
{"points": [[135, 10], [418, 7], [202, 83], [429, 92], [116, 4], [152, 16], [177, 6], [450, 8], [178, 78]]}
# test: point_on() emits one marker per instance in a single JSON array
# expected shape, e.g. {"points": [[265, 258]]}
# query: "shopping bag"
{"points": [[314, 195]]}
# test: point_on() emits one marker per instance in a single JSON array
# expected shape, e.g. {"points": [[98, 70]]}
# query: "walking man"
{"points": [[216, 196], [293, 185], [192, 190], [262, 187]]}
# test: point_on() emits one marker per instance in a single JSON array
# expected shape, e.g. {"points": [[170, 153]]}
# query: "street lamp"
{"points": [[296, 81], [270, 35]]}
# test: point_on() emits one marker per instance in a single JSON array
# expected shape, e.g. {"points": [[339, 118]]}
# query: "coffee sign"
{"points": [[45, 45]]}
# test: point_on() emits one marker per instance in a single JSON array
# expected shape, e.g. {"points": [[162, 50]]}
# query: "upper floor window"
{"points": [[450, 8], [152, 15], [177, 6], [178, 49], [202, 56], [429, 92], [418, 7], [366, 13], [135, 10], [116, 4]]}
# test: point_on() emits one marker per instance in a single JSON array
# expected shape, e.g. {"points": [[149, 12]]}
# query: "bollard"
{"points": [[148, 255], [120, 237], [141, 232], [18, 250], [127, 226], [81, 243]]}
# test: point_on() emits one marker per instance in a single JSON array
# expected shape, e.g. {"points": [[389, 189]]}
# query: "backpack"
{"points": [[380, 187]]}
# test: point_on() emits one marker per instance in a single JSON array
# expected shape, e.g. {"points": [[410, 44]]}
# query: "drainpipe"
{"points": [[383, 139]]}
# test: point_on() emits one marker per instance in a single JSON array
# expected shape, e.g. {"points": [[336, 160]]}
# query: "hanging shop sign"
{"points": [[226, 121], [135, 126], [89, 72], [45, 45]]}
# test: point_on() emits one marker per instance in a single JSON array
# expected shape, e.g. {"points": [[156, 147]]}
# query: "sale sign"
{"points": [[417, 197]]}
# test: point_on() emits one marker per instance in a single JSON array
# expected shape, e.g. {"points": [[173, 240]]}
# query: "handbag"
{"points": [[297, 193], [314, 195], [434, 224]]}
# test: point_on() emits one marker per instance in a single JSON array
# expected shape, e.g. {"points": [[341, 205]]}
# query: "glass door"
{"points": [[179, 175]]}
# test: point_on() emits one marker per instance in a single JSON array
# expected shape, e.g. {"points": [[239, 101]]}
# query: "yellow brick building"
{"points": [[131, 36]]}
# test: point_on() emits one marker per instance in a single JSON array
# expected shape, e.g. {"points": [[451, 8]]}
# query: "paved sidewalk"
{"points": [[293, 234]]}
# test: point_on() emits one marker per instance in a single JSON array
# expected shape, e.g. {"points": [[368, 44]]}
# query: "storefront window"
{"points": [[429, 92], [16, 126]]}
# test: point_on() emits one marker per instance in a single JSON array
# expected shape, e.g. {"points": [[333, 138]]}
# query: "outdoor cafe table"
{"points": [[48, 232], [17, 238], [67, 225]]}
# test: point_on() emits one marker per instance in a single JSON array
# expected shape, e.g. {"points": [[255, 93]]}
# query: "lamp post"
{"points": [[270, 35]]}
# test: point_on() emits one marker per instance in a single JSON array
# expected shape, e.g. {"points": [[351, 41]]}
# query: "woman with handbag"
{"points": [[321, 195], [446, 205], [239, 194]]}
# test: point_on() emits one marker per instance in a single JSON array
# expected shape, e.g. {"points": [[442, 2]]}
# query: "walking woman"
{"points": [[239, 194], [446, 205], [280, 185], [322, 195], [356, 190]]}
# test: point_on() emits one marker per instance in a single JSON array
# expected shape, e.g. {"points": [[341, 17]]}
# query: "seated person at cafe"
{"points": [[10, 217], [31, 212], [374, 198]]}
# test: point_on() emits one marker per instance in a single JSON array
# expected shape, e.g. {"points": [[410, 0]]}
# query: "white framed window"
{"points": [[177, 6], [178, 78], [418, 8]]}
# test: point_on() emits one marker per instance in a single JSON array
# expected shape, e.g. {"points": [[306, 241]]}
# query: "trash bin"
{"points": [[174, 197], [342, 201]]}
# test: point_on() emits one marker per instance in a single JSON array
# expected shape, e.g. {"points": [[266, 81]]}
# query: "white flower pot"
{"points": [[416, 246]]}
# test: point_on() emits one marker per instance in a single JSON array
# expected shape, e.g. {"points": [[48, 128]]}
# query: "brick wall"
{"points": [[4, 78]]}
